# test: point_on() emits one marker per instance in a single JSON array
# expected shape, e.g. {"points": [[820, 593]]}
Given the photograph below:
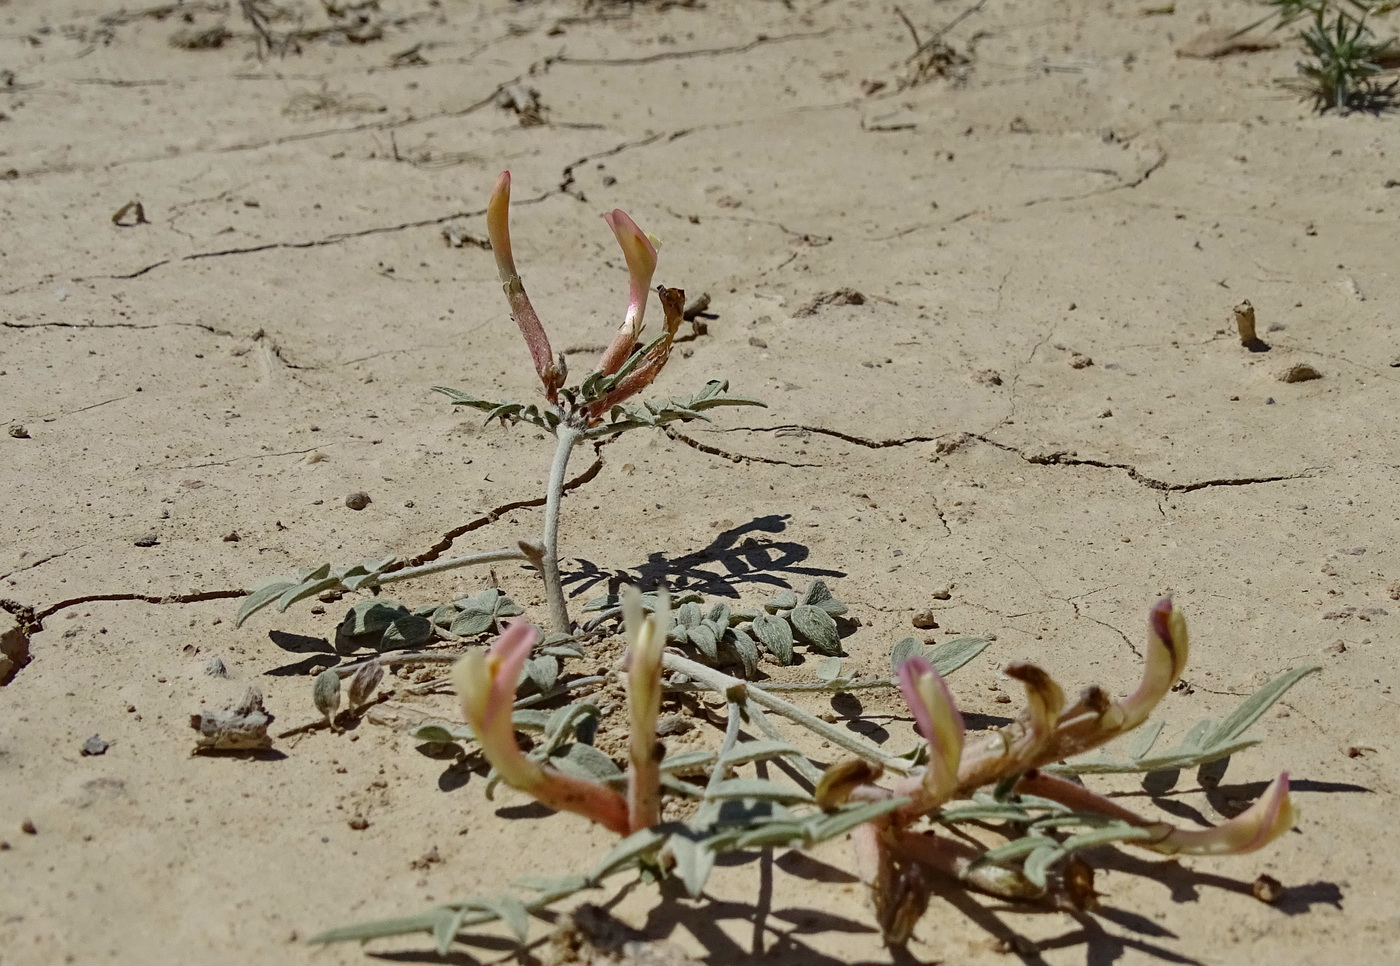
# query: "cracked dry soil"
{"points": [[1038, 402]]}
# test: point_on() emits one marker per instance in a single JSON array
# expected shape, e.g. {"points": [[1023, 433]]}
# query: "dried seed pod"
{"points": [[326, 693], [364, 681]]}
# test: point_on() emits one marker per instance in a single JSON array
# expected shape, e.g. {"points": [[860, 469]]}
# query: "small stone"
{"points": [[216, 668], [359, 823], [987, 377], [757, 343], [673, 724], [1267, 889], [1105, 413], [1299, 372], [95, 746], [943, 593], [232, 537], [28, 827], [358, 500], [149, 540], [1337, 647], [1002, 699], [925, 620], [18, 432], [1080, 361]]}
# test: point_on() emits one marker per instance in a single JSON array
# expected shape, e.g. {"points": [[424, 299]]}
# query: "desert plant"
{"points": [[1345, 57], [1011, 785]]}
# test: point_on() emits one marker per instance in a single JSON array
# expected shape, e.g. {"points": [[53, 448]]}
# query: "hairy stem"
{"points": [[837, 736], [438, 566], [567, 437]]}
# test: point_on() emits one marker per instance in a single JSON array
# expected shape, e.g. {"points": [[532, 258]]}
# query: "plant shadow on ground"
{"points": [[791, 935], [746, 557]]}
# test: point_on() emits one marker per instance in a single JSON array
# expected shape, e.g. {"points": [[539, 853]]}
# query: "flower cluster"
{"points": [[626, 367]]}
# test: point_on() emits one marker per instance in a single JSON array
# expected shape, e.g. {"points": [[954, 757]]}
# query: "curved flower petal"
{"points": [[640, 252], [646, 638], [498, 230], [1167, 649], [937, 718], [1265, 820]]}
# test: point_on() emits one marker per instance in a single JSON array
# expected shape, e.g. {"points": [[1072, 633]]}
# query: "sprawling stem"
{"points": [[438, 566], [844, 739], [567, 438]]}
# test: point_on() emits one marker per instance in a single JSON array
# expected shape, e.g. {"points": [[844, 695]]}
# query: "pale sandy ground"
{"points": [[1083, 191]]}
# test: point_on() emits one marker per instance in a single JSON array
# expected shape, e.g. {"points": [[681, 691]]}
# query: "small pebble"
{"points": [[359, 823], [673, 724], [358, 500], [95, 746], [19, 432], [1299, 372], [943, 593], [216, 668], [925, 620], [149, 540], [1267, 889], [28, 827], [232, 537], [1080, 361]]}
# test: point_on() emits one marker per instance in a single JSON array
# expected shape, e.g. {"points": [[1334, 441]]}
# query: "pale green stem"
{"points": [[567, 437], [438, 566], [808, 770], [837, 736]]}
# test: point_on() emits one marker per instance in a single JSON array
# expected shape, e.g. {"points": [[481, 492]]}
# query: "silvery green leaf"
{"points": [[587, 762], [689, 615], [756, 788], [786, 600], [1016, 848], [989, 812], [776, 636], [694, 860], [363, 682], [749, 751], [406, 632], [379, 928], [1038, 863], [543, 672], [829, 670], [445, 931], [560, 645], [702, 638], [552, 884], [816, 593], [842, 820], [460, 398], [816, 627], [509, 910], [1170, 761], [563, 721], [530, 719], [1144, 740], [1256, 704], [308, 588], [687, 762], [746, 650], [903, 651], [442, 733], [1196, 738], [443, 615], [1116, 832], [788, 833], [951, 655], [719, 614], [262, 595], [372, 616], [325, 693], [627, 852], [470, 623]]}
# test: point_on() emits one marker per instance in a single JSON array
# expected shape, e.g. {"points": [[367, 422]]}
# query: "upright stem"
{"points": [[567, 438]]}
